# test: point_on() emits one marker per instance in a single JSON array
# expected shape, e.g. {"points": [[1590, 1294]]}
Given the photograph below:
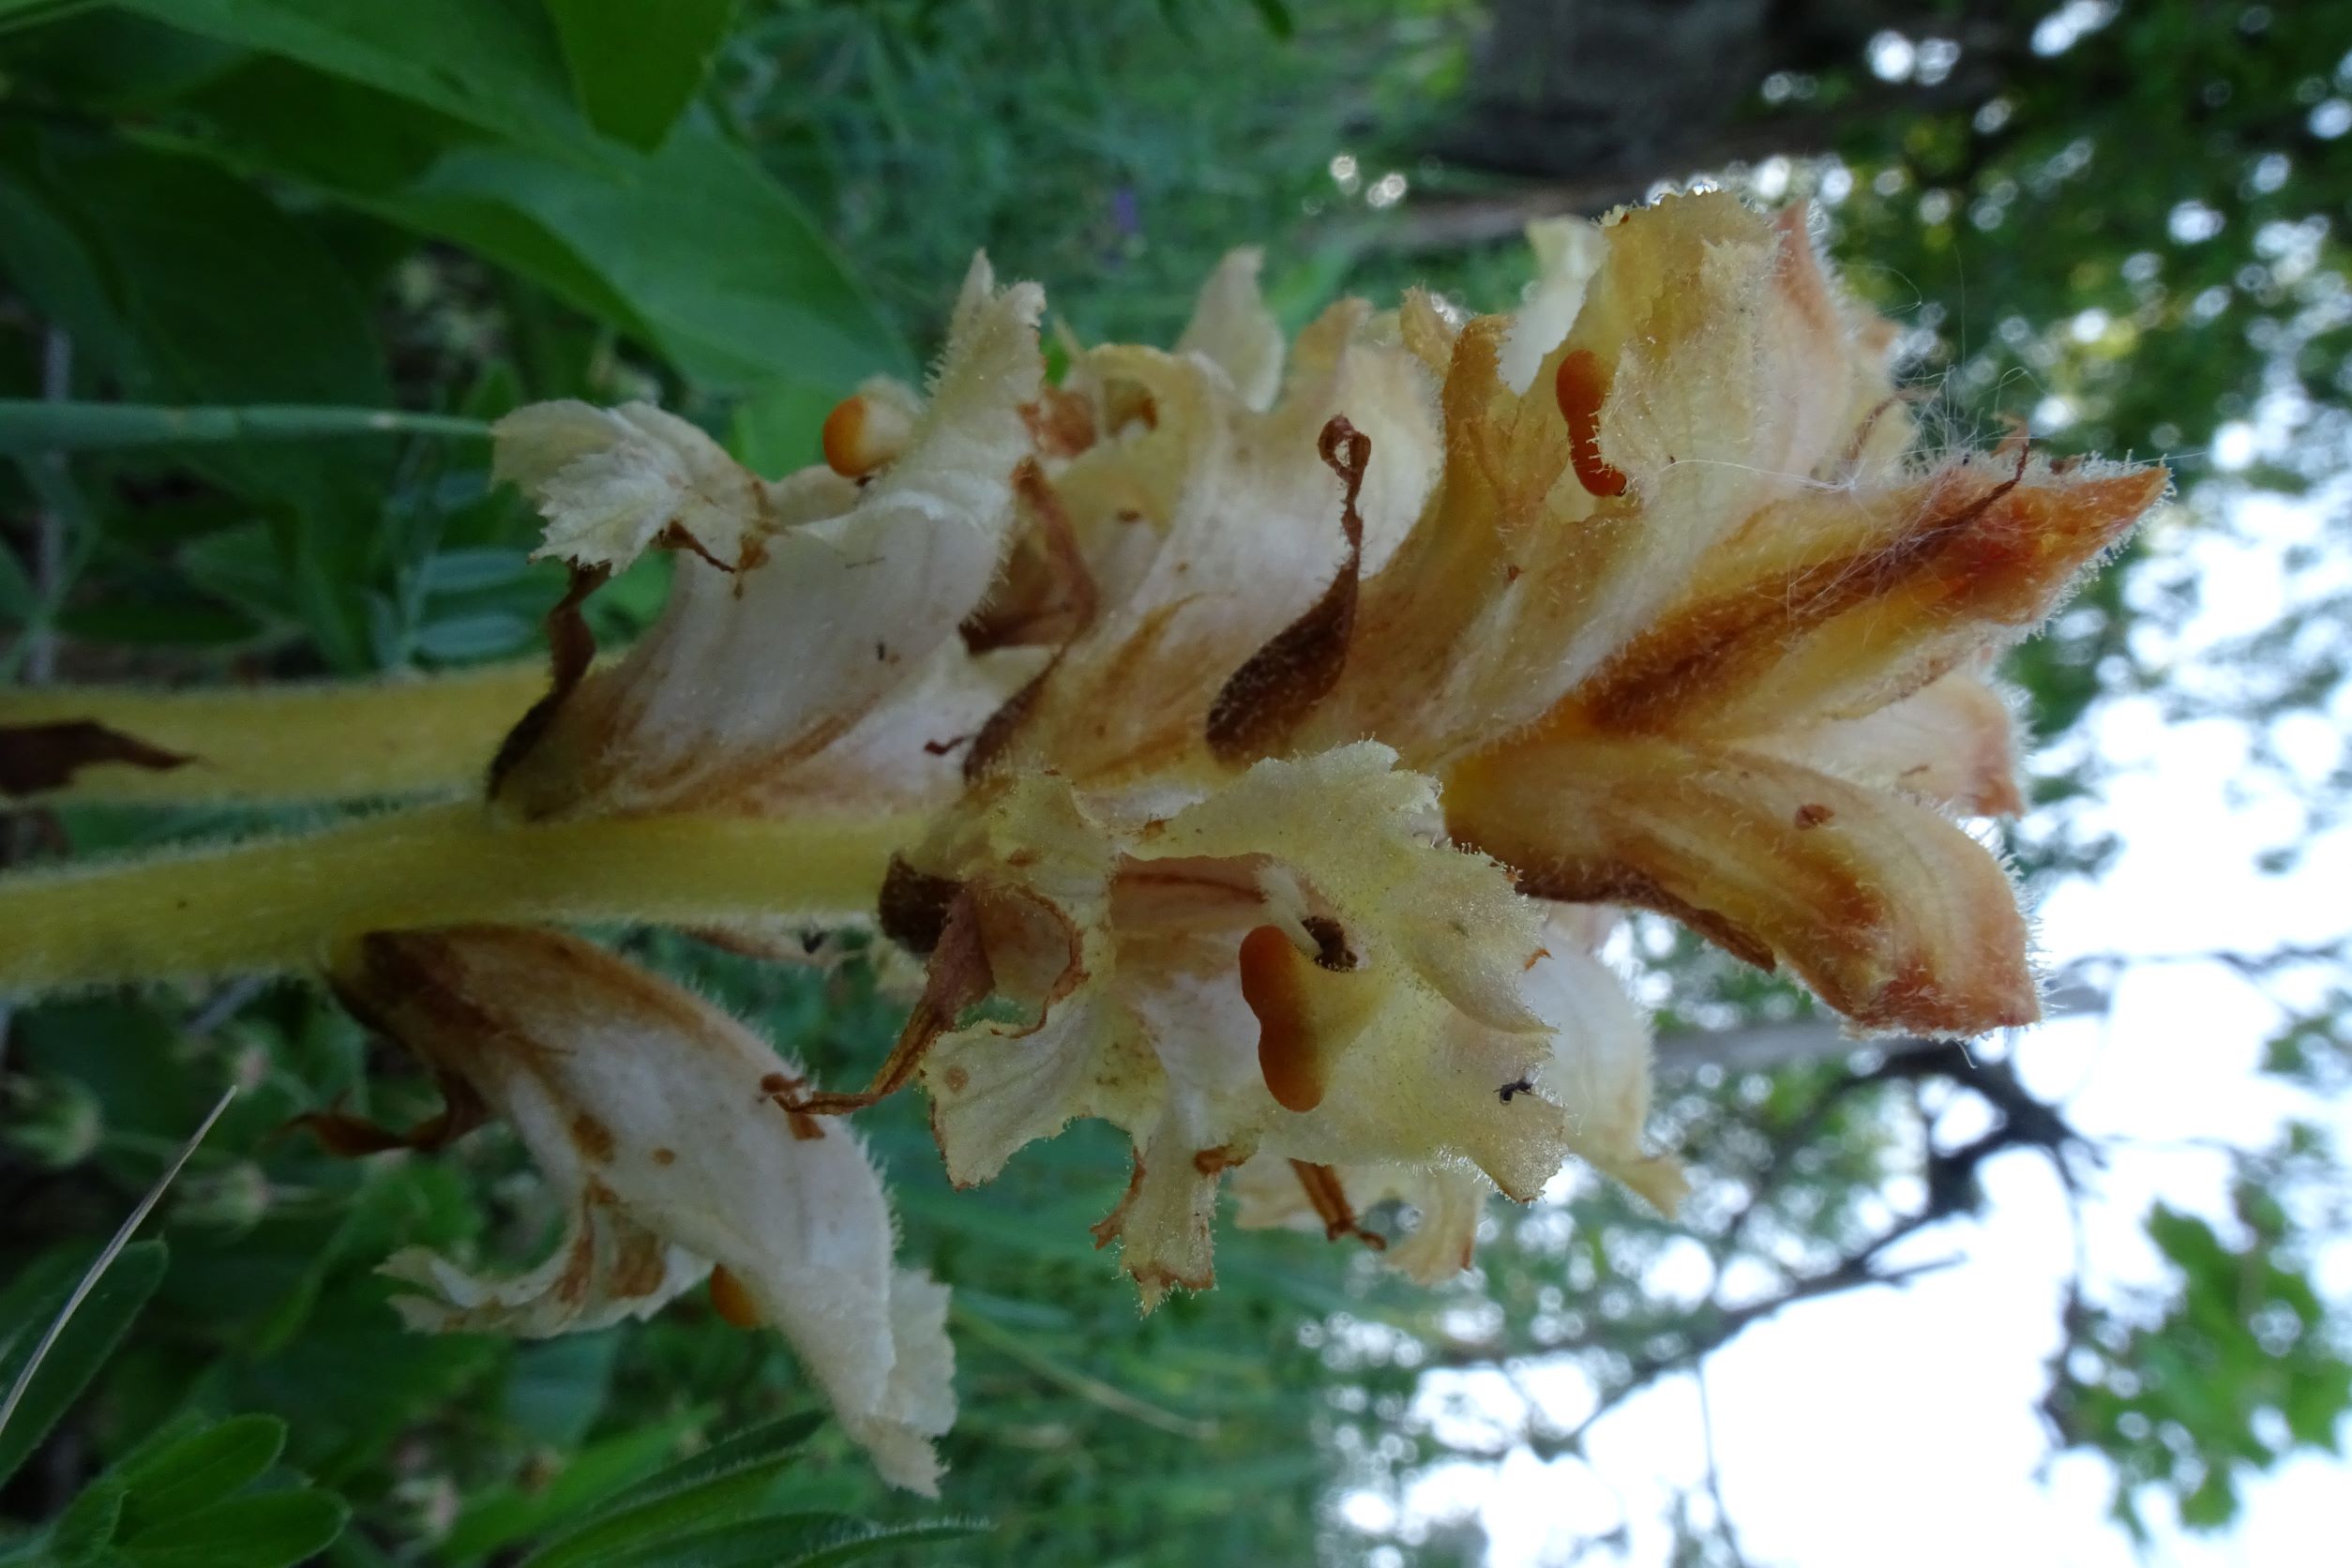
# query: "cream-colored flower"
{"points": [[842, 591], [1295, 685], [1672, 622], [654, 1118]]}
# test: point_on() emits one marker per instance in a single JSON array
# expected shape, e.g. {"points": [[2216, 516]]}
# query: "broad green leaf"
{"points": [[88, 1339], [236, 302], [198, 1472], [777, 430], [272, 1531], [491, 62], [634, 67], [720, 269], [693, 250], [28, 13], [718, 1487], [49, 263]]}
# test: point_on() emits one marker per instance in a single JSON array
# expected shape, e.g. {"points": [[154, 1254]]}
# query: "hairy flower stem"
{"points": [[273, 744], [279, 904]]}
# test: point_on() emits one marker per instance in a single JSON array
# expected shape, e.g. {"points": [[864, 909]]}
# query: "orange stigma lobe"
{"points": [[863, 433], [730, 1301], [1272, 976], [1580, 389]]}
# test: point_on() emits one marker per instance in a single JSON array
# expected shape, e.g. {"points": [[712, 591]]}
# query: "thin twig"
{"points": [[226, 1003], [49, 522], [1086, 1387], [1714, 1467], [105, 1259], [30, 426]]}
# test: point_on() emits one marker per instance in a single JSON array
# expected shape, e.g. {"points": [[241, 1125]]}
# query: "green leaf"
{"points": [[272, 1531], [777, 430], [236, 301], [693, 250], [88, 1525], [198, 1472], [467, 571], [798, 1540], [506, 1513], [493, 64], [634, 67], [1276, 17], [864, 1540], [51, 266], [719, 1485], [27, 13], [17, 595], [720, 268], [791, 1541], [2214, 1502], [765, 1541], [88, 1339], [555, 1388], [463, 639], [2315, 1399]]}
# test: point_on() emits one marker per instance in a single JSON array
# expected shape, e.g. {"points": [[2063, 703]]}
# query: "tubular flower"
{"points": [[812, 620], [1254, 727]]}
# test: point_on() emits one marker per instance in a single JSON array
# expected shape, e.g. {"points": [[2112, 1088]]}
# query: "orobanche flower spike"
{"points": [[1263, 729]]}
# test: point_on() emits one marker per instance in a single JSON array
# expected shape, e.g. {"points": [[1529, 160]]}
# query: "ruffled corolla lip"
{"points": [[654, 1121]]}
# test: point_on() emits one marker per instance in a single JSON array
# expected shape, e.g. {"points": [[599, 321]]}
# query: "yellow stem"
{"points": [[272, 744], [279, 903]]}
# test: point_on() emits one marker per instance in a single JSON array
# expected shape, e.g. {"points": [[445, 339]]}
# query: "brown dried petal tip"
{"points": [[1267, 698]]}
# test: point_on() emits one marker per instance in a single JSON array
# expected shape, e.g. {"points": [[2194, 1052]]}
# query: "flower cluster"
{"points": [[1262, 730]]}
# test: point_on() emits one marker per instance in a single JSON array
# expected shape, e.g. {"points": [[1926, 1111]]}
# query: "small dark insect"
{"points": [[1516, 1086]]}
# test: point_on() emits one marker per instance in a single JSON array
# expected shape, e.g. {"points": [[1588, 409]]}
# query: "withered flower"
{"points": [[653, 1118]]}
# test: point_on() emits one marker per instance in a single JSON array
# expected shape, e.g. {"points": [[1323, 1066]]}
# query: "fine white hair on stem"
{"points": [[105, 1259]]}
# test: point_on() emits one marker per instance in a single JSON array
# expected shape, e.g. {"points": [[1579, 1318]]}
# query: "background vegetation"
{"points": [[2123, 224]]}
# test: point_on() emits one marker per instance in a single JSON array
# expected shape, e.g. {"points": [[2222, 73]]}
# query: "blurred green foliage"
{"points": [[451, 206]]}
